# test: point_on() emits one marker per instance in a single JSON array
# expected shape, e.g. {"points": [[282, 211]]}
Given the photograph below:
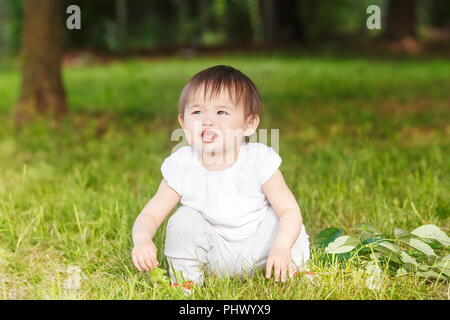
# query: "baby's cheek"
{"points": [[192, 135], [234, 135]]}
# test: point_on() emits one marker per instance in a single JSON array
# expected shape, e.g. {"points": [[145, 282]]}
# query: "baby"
{"points": [[237, 212]]}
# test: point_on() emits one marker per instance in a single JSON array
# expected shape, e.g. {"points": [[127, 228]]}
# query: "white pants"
{"points": [[191, 242]]}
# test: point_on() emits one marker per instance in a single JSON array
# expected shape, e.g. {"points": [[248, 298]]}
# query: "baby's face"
{"points": [[215, 125]]}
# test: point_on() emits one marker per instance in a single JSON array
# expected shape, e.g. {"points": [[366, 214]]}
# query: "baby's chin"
{"points": [[213, 149], [208, 148]]}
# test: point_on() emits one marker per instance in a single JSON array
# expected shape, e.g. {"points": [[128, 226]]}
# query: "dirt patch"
{"points": [[390, 106], [418, 136]]}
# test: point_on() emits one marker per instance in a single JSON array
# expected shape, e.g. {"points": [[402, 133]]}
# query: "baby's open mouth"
{"points": [[208, 136]]}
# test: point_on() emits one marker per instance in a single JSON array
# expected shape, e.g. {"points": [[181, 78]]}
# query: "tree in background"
{"points": [[268, 20], [439, 13], [401, 19], [41, 88], [2, 27], [280, 21], [122, 26], [122, 22]]}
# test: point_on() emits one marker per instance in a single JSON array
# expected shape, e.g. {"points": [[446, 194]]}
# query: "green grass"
{"points": [[361, 141]]}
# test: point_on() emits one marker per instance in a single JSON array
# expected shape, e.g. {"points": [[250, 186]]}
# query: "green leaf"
{"points": [[158, 275], [424, 267], [406, 258], [390, 246], [389, 249], [410, 268], [444, 270], [326, 236], [401, 272], [343, 244], [433, 275], [443, 265], [445, 258], [410, 264], [419, 246], [371, 239], [434, 244], [375, 256], [399, 232], [366, 227], [367, 231], [432, 232]]}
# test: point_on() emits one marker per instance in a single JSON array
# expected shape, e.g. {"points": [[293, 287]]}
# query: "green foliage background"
{"points": [[156, 24]]}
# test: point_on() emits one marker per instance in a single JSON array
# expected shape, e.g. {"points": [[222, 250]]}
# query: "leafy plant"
{"points": [[158, 275], [423, 251]]}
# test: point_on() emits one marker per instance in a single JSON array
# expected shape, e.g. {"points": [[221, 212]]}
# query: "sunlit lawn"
{"points": [[361, 141]]}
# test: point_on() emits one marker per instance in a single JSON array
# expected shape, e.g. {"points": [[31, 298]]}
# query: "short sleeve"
{"points": [[268, 163], [170, 172]]}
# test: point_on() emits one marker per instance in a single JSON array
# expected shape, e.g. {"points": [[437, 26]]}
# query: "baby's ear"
{"points": [[181, 120], [251, 123]]}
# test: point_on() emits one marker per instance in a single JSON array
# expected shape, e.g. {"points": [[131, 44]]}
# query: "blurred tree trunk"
{"points": [[439, 11], [3, 10], [41, 88], [122, 22], [280, 21], [290, 26], [401, 19], [268, 16]]}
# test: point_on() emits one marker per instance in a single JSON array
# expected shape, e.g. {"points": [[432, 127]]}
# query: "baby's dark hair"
{"points": [[240, 88]]}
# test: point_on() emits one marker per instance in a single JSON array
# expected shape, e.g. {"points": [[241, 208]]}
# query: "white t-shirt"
{"points": [[230, 199]]}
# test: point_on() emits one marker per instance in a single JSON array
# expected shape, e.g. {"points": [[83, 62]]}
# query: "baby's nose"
{"points": [[207, 122]]}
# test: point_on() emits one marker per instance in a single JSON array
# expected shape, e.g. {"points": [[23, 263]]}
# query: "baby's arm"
{"points": [[289, 224], [146, 224]]}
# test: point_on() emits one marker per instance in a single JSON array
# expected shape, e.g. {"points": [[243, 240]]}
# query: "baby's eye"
{"points": [[196, 112], [222, 112]]}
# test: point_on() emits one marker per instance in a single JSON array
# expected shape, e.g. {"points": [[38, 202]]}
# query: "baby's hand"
{"points": [[144, 256], [280, 259]]}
